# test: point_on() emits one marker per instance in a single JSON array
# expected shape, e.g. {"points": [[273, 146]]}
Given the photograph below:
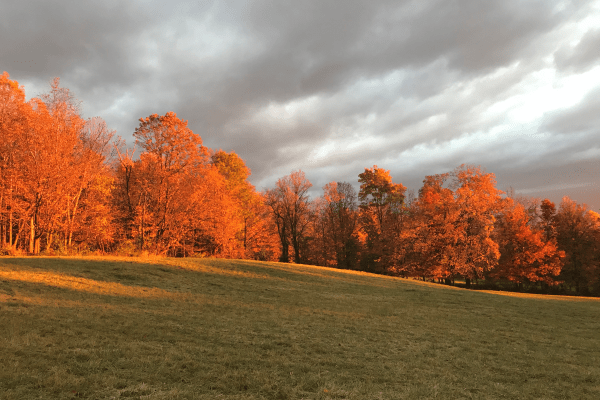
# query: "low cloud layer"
{"points": [[416, 87]]}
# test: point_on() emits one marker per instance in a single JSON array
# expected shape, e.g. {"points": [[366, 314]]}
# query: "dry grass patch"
{"points": [[203, 329]]}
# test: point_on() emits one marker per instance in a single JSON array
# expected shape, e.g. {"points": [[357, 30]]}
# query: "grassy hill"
{"points": [[210, 329]]}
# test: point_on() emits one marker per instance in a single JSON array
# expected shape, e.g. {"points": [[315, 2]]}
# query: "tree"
{"points": [[451, 226], [177, 199], [381, 206], [340, 217], [14, 122], [260, 238], [316, 245], [89, 172], [289, 203], [213, 217], [97, 227], [49, 163], [577, 233], [247, 201], [431, 238], [164, 178], [233, 169], [547, 213], [526, 256], [478, 202]]}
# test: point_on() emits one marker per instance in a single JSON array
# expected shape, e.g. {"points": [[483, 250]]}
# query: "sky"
{"points": [[334, 87]]}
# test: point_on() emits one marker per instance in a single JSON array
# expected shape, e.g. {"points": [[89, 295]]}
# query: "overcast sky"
{"points": [[332, 87]]}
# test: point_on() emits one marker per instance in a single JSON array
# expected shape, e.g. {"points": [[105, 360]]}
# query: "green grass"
{"points": [[219, 329]]}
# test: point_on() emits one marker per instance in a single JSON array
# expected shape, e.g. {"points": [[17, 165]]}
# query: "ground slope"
{"points": [[204, 329]]}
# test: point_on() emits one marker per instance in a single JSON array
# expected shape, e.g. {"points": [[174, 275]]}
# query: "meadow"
{"points": [[144, 328]]}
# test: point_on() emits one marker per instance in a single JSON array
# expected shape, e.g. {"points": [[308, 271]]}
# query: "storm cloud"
{"points": [[332, 87]]}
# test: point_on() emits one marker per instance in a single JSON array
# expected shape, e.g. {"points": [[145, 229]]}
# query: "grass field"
{"points": [[221, 329]]}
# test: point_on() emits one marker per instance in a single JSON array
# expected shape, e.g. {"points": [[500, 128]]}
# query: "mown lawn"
{"points": [[221, 329]]}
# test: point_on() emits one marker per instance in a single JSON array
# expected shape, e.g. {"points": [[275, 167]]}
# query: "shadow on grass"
{"points": [[27, 281], [156, 272], [66, 281]]}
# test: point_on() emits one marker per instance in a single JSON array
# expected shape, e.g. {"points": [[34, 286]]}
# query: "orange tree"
{"points": [[254, 237], [478, 202], [158, 187], [14, 122], [340, 223], [577, 232], [290, 207], [431, 237], [381, 211], [450, 230], [526, 256]]}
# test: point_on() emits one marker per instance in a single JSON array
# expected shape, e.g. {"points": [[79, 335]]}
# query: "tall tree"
{"points": [[89, 172], [248, 204], [381, 205], [14, 122], [260, 238], [577, 232], [432, 235], [289, 203], [526, 255], [546, 218], [213, 219], [478, 202], [316, 246], [173, 158], [341, 223], [49, 163]]}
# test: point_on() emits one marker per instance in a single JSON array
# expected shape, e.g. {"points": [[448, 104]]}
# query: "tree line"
{"points": [[459, 226], [68, 185]]}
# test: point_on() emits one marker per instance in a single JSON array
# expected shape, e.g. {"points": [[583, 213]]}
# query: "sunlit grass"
{"points": [[205, 329]]}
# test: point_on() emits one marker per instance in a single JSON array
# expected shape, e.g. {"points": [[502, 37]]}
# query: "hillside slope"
{"points": [[204, 328]]}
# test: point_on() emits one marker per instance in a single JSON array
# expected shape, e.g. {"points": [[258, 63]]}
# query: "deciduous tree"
{"points": [[577, 232], [289, 203], [381, 206], [340, 215], [478, 202], [432, 237], [526, 256], [162, 181], [14, 122]]}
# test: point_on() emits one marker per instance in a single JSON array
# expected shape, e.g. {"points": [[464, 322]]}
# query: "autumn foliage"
{"points": [[53, 166], [527, 256], [67, 185]]}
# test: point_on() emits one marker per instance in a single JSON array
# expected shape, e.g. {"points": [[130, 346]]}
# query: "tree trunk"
{"points": [[49, 241], [285, 246], [31, 235], [10, 228], [245, 235], [2, 223], [142, 229], [20, 230], [285, 252], [296, 252]]}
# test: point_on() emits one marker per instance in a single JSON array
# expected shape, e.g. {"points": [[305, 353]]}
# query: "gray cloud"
{"points": [[417, 87], [582, 56], [583, 118]]}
